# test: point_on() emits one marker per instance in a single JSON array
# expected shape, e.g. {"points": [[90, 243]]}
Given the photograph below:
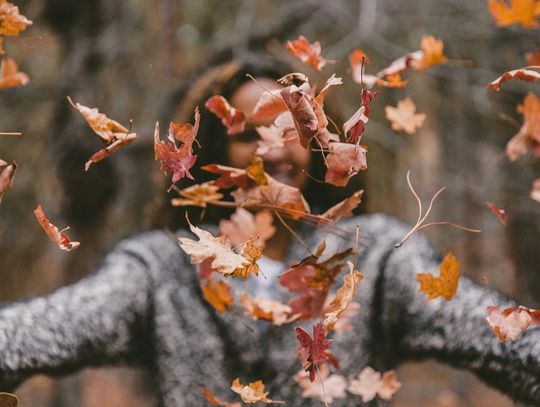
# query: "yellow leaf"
{"points": [[523, 12], [446, 284]]}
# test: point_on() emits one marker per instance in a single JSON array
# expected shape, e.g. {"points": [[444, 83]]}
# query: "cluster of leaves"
{"points": [[511, 322], [296, 113]]}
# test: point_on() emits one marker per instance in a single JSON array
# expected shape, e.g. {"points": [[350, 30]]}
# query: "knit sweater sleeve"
{"points": [[454, 331], [101, 319]]}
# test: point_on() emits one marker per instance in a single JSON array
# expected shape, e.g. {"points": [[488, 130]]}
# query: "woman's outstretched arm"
{"points": [[101, 319], [452, 331]]}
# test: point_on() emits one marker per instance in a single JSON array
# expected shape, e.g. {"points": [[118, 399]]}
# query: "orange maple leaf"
{"points": [[198, 195], [11, 21], [523, 12], [265, 309], [371, 383], [528, 136], [344, 296], [251, 253], [432, 53], [309, 54], [10, 76], [218, 294], [403, 117], [446, 284], [252, 393]]}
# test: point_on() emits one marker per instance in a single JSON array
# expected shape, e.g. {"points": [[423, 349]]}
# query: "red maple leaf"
{"points": [[174, 159], [312, 352]]}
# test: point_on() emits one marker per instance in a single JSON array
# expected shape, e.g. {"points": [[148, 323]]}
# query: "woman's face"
{"points": [[284, 164]]}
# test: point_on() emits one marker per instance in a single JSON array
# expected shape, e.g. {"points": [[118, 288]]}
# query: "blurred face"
{"points": [[284, 164]]}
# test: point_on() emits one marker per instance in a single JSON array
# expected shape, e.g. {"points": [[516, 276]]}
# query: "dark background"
{"points": [[128, 57]]}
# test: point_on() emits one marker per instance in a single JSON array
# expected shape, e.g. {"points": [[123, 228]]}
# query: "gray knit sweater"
{"points": [[144, 306]]}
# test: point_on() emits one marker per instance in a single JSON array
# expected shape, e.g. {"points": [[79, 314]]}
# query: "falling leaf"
{"points": [[313, 352], [344, 296], [6, 176], [228, 176], [177, 159], [312, 279], [357, 58], [523, 12], [111, 148], [214, 400], [344, 161], [432, 53], [265, 309], [446, 284], [255, 171], [243, 225], [403, 117], [282, 131], [309, 54], [269, 106], [511, 322], [343, 324], [224, 259], [275, 195], [10, 77], [343, 208], [535, 191], [198, 195], [500, 213], [356, 125], [300, 105], [252, 393], [58, 237], [251, 253], [218, 294], [327, 387], [527, 74], [11, 21], [528, 136], [234, 120], [112, 133], [369, 384]]}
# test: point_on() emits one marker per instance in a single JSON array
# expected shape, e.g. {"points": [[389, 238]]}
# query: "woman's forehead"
{"points": [[245, 97]]}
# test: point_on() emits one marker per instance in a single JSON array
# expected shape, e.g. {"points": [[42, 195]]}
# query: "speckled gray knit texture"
{"points": [[143, 306]]}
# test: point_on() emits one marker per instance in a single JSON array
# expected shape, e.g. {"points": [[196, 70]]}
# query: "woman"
{"points": [[144, 305]]}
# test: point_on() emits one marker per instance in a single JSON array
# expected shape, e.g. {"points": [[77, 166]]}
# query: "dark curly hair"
{"points": [[223, 78]]}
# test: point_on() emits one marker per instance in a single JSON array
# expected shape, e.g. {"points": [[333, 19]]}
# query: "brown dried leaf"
{"points": [[343, 208], [198, 195], [57, 237], [527, 74], [252, 393], [344, 296], [265, 309]]}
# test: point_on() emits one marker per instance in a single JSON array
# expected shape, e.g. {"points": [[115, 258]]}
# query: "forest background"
{"points": [[129, 57]]}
